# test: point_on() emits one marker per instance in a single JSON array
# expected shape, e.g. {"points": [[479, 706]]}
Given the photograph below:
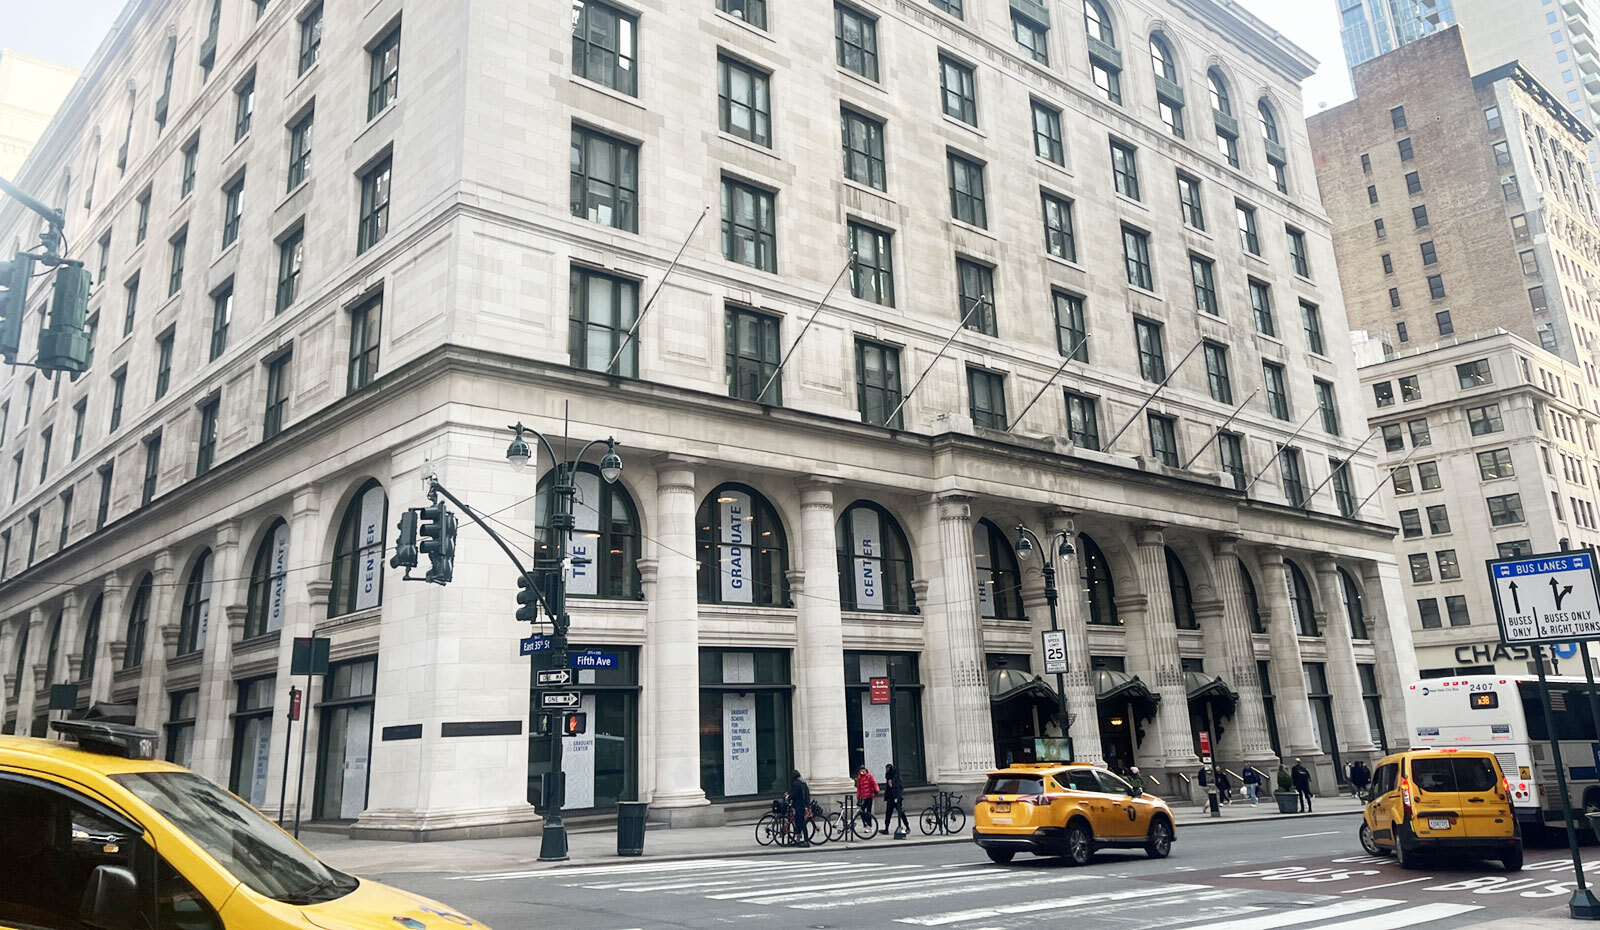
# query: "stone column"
{"points": [[161, 633], [8, 666], [1349, 716], [1237, 658], [1072, 617], [1153, 643], [675, 641], [1390, 626], [113, 598], [32, 669], [1296, 734], [649, 686], [215, 702], [962, 748], [819, 655]]}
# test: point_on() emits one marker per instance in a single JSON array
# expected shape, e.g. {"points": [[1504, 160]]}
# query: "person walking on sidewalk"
{"points": [[1224, 787], [866, 790], [800, 807], [1359, 778], [1252, 784], [894, 801], [1302, 785]]}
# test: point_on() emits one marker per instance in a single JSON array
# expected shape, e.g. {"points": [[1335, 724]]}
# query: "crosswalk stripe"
{"points": [[1407, 917], [759, 881], [851, 888], [1342, 908], [960, 887], [1028, 907], [907, 872], [560, 872]]}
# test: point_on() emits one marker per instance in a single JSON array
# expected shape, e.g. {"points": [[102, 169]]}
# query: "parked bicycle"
{"points": [[849, 822], [777, 825], [944, 815]]}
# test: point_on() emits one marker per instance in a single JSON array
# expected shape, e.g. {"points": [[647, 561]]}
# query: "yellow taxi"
{"points": [[1066, 810], [101, 835], [1441, 800]]}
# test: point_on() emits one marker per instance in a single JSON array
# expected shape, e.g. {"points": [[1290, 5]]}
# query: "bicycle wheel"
{"points": [[816, 831], [836, 826], [864, 826], [954, 820], [930, 821], [767, 829]]}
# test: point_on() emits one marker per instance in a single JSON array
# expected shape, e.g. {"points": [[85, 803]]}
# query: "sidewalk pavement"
{"points": [[597, 844]]}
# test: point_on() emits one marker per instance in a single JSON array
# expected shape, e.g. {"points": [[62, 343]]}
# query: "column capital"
{"points": [[36, 619], [1269, 556], [954, 506], [1324, 565], [1150, 534], [816, 493], [797, 581], [163, 567], [1225, 544], [647, 570], [227, 535], [1059, 520], [307, 500], [70, 601]]}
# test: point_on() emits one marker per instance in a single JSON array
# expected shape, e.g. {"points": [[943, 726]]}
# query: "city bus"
{"points": [[1504, 715]]}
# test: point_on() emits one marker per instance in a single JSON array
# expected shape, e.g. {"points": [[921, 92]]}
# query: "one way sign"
{"points": [[1548, 598]]}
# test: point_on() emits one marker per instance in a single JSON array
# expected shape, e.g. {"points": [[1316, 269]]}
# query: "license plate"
{"points": [[1002, 807], [1001, 819], [1438, 823]]}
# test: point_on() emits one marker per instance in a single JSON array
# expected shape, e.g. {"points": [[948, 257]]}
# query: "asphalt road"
{"points": [[1249, 876]]}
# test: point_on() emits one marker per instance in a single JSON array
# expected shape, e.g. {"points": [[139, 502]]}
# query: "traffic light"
{"points": [[438, 532], [527, 599], [574, 724], [63, 346], [13, 303], [542, 722], [405, 548]]}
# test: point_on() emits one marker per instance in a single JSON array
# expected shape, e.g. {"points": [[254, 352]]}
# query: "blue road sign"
{"points": [[538, 642], [594, 658], [1551, 598]]}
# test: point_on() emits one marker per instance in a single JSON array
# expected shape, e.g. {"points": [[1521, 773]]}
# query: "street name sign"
{"points": [[538, 642], [559, 699], [554, 677], [1055, 651], [593, 658], [1551, 598]]}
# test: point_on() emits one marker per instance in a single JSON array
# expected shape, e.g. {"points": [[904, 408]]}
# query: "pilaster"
{"points": [[819, 654], [675, 637], [963, 748], [1153, 646], [1293, 709], [1236, 653], [211, 755], [1350, 717]]}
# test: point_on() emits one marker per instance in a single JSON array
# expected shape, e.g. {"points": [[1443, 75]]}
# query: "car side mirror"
{"points": [[110, 899]]}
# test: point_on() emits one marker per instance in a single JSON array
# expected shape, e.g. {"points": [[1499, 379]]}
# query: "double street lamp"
{"points": [[1062, 543]]}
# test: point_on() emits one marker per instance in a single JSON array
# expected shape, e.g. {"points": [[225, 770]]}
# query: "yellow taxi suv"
{"points": [[1071, 811], [94, 833], [1441, 801]]}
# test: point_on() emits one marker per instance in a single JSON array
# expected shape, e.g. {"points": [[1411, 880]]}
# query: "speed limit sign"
{"points": [[1055, 652]]}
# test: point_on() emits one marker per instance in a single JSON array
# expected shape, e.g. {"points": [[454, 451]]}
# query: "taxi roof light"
{"points": [[109, 739]]}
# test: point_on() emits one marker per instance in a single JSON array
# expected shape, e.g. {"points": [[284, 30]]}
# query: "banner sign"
{"points": [[867, 561], [880, 691], [738, 743], [734, 551]]}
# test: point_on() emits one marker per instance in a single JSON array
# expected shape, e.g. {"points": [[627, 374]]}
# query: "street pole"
{"points": [[288, 740], [553, 838], [1062, 546]]}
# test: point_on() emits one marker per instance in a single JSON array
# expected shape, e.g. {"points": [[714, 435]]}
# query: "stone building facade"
{"points": [[290, 336]]}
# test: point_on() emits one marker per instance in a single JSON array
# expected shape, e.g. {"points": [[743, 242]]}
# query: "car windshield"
{"points": [[1014, 784], [248, 845]]}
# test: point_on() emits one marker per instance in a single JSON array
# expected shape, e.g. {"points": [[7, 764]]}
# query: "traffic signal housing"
{"points": [[527, 598], [438, 543], [405, 548], [63, 345], [574, 724], [13, 303]]}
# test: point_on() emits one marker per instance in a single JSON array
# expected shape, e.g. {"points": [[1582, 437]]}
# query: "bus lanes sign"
{"points": [[1552, 598]]}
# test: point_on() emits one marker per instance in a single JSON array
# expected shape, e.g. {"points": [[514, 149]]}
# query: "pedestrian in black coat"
{"points": [[1302, 785], [894, 801], [800, 806]]}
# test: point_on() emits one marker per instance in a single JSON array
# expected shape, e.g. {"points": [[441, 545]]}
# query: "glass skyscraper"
{"points": [[1369, 28]]}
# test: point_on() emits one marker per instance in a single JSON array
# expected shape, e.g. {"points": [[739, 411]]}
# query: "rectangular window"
{"points": [[1428, 611], [1430, 255], [232, 211], [1413, 183], [604, 45], [1400, 330], [1217, 378], [1072, 333], [1419, 432], [878, 384], [975, 286], [1491, 117], [966, 191], [1438, 519], [602, 310], [1277, 394], [221, 319], [872, 273], [753, 351], [366, 329], [1474, 374], [1294, 487], [1505, 509], [960, 96], [291, 252], [1201, 272], [244, 97], [1383, 394], [1419, 215], [1058, 239], [1030, 38], [863, 149], [1246, 216], [277, 396], [1230, 451], [1152, 359], [953, 7], [45, 436], [300, 149], [374, 205], [1495, 463], [310, 38], [144, 218], [1502, 153], [1261, 307], [753, 12], [1404, 145], [1163, 440], [1297, 252], [208, 436], [1377, 226], [749, 225], [1400, 477], [744, 100], [163, 364], [1136, 256], [180, 246], [1397, 117], [1514, 549], [132, 288], [152, 469], [1456, 605], [1311, 317], [1421, 568], [1429, 473], [604, 179], [1394, 298], [191, 161], [856, 38], [1537, 300], [1410, 524], [1083, 422], [1530, 262], [1193, 209], [1366, 163], [119, 385], [1125, 170], [1047, 134], [1484, 420], [384, 85], [1445, 324], [1436, 286], [987, 392], [1449, 566], [1372, 194], [103, 511], [1388, 264], [1329, 408]]}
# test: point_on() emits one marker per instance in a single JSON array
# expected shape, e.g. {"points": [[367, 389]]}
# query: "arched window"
{"points": [[138, 623], [1222, 116], [91, 641], [1104, 60], [999, 593], [740, 543], [1182, 597], [1252, 603], [50, 654], [268, 580], [1277, 156], [1269, 123], [358, 552], [1301, 607], [196, 616], [22, 660], [1169, 93], [1098, 588], [1352, 606], [605, 531], [1219, 93], [874, 560]]}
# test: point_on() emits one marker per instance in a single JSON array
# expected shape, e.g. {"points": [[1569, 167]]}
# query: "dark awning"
{"points": [[1007, 684], [1202, 687], [1120, 689]]}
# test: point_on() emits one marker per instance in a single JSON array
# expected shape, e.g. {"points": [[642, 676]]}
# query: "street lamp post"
{"points": [[1026, 540], [552, 572]]}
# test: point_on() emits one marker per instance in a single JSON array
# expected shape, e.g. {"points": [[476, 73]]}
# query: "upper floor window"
{"points": [[1227, 125], [878, 384], [1277, 393], [1474, 374], [1125, 170], [375, 184], [605, 532], [749, 225], [1217, 377], [384, 86], [1047, 134], [1193, 208], [196, 615], [966, 191], [1105, 60], [753, 353], [209, 411], [959, 94], [310, 38], [872, 273], [1203, 276], [863, 148], [856, 35], [1311, 317], [232, 210], [1169, 90], [1031, 37], [604, 45], [1297, 251], [1246, 216], [753, 12], [999, 583], [743, 100], [1058, 234], [269, 576], [358, 552], [1277, 156], [1136, 258], [602, 311], [875, 569], [605, 179], [1152, 358], [300, 149], [366, 327], [986, 392], [740, 545], [1261, 307]]}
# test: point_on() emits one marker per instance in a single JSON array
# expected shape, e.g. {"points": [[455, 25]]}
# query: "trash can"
{"points": [[630, 827]]}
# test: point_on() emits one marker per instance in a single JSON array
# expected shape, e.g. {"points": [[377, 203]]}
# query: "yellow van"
{"points": [[1067, 810], [101, 835], [1441, 800]]}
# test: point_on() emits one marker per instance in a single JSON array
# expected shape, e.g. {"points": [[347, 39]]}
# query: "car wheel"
{"points": [[1001, 856], [1512, 859], [1369, 844], [1403, 857], [1080, 845], [1160, 843]]}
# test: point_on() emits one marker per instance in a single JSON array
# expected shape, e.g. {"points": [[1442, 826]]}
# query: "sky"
{"points": [[37, 29]]}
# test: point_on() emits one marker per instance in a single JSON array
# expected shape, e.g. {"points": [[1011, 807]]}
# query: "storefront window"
{"points": [[605, 533], [602, 764], [999, 582], [252, 740], [740, 542], [746, 729], [874, 560], [885, 733], [344, 745]]}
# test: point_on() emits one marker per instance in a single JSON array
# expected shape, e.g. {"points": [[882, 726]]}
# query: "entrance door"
{"points": [[344, 741], [1116, 739]]}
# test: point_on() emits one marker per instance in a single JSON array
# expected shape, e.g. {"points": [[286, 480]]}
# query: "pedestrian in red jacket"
{"points": [[866, 790]]}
